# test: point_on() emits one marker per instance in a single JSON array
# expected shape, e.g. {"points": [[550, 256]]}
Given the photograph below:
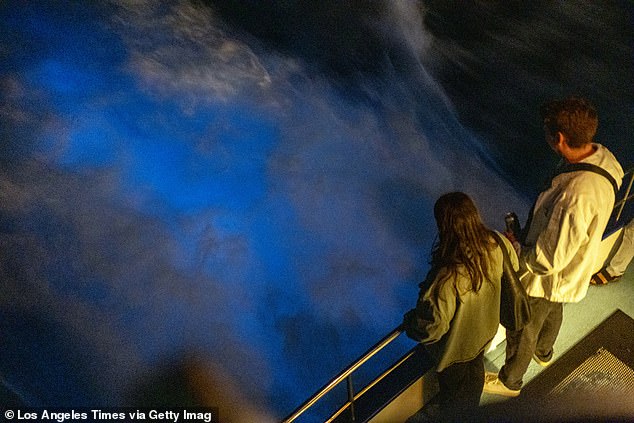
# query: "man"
{"points": [[562, 237]]}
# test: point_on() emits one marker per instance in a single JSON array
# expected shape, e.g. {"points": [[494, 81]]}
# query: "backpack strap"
{"points": [[566, 168], [573, 167]]}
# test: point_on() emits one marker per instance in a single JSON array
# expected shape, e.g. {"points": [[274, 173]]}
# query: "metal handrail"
{"points": [[345, 374], [371, 385], [621, 203]]}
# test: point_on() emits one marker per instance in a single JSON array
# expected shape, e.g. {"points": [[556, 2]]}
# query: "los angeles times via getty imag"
{"points": [[207, 416]]}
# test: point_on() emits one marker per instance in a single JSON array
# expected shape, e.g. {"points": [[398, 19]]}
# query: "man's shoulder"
{"points": [[586, 188], [604, 159], [592, 180]]}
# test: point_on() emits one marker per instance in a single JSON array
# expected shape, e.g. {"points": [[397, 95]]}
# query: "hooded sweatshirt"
{"points": [[562, 244]]}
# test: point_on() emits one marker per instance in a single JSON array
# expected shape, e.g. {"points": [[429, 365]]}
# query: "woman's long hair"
{"points": [[463, 241]]}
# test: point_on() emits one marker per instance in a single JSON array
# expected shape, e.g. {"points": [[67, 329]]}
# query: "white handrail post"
{"points": [[627, 193]]}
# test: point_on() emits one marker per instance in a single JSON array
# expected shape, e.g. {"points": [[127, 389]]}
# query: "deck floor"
{"points": [[579, 319]]}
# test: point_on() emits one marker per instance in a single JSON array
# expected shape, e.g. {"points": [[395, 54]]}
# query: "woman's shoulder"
{"points": [[504, 242], [441, 281], [501, 240]]}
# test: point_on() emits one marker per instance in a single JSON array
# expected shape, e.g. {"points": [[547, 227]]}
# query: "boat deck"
{"points": [[579, 319]]}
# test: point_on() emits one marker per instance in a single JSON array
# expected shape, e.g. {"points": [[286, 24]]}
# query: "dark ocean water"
{"points": [[243, 190]]}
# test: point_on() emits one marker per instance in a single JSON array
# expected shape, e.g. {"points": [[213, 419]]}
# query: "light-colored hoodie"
{"points": [[569, 218]]}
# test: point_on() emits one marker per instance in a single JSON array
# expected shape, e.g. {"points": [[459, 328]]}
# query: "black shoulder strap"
{"points": [[573, 167], [505, 252]]}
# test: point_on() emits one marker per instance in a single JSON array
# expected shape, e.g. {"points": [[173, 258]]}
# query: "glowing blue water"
{"points": [[174, 187]]}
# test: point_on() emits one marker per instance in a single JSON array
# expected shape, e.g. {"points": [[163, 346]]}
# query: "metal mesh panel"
{"points": [[600, 372]]}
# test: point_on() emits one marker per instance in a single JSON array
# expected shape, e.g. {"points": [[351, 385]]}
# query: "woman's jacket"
{"points": [[460, 324]]}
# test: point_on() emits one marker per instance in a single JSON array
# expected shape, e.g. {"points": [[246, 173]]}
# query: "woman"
{"points": [[458, 309]]}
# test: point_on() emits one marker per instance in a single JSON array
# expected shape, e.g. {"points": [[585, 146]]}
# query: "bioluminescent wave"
{"points": [[177, 189]]}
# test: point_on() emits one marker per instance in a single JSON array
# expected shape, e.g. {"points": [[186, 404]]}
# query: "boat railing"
{"points": [[347, 373], [628, 179]]}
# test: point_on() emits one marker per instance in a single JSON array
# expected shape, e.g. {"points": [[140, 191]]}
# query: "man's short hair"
{"points": [[575, 117]]}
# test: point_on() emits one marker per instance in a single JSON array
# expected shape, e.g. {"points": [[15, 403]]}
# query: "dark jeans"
{"points": [[537, 337], [460, 388]]}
